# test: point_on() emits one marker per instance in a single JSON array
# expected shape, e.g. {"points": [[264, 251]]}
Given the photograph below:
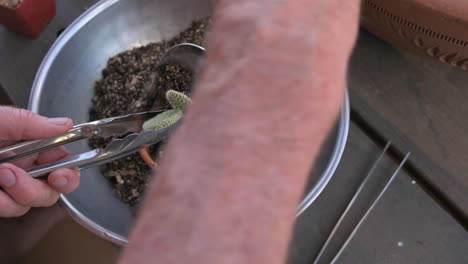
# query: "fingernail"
{"points": [[58, 121], [7, 178], [60, 182]]}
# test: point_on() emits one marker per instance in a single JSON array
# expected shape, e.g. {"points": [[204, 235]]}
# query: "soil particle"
{"points": [[132, 82]]}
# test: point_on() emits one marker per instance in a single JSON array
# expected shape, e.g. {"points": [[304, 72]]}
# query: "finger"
{"points": [[10, 208], [42, 158], [64, 180], [6, 143], [24, 189], [25, 162], [19, 124], [52, 155]]}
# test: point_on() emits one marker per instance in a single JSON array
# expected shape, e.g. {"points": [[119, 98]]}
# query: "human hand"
{"points": [[20, 191]]}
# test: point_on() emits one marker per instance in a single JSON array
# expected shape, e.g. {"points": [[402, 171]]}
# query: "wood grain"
{"points": [[407, 227], [315, 224], [420, 106]]}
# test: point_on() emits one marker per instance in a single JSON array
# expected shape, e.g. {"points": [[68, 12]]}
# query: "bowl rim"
{"points": [[38, 84]]}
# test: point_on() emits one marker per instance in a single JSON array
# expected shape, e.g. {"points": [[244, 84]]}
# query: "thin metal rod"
{"points": [[345, 244], [351, 203]]}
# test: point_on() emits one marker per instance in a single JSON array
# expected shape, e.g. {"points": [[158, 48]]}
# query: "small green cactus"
{"points": [[179, 102]]}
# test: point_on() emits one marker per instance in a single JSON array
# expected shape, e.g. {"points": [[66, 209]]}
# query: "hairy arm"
{"points": [[235, 169]]}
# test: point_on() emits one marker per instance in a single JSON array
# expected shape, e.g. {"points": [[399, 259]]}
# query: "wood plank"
{"points": [[21, 57], [406, 227], [420, 105], [316, 223]]}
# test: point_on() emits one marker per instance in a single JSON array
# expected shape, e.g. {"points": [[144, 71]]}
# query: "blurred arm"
{"points": [[235, 170]]}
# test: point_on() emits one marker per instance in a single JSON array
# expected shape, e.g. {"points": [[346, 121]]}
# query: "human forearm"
{"points": [[234, 171]]}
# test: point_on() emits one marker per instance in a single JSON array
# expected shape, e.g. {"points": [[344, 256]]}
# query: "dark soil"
{"points": [[132, 82]]}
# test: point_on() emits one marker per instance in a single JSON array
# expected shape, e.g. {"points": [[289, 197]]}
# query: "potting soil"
{"points": [[132, 82]]}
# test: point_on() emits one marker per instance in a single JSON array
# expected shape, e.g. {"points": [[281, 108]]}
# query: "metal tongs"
{"points": [[186, 54], [136, 139]]}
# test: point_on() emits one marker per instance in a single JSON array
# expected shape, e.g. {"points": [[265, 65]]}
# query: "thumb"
{"points": [[18, 124]]}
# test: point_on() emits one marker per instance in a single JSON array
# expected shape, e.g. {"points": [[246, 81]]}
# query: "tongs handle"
{"points": [[116, 149], [105, 128], [35, 146], [76, 161]]}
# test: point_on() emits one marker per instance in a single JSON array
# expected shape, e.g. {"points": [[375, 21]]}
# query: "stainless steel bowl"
{"points": [[64, 87]]}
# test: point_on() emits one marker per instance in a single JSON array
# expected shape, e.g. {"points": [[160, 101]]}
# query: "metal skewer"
{"points": [[356, 228], [351, 203]]}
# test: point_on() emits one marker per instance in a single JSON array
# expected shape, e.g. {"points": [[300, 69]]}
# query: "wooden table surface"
{"points": [[416, 102]]}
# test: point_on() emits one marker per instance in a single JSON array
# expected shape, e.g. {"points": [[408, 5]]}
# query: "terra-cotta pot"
{"points": [[29, 18]]}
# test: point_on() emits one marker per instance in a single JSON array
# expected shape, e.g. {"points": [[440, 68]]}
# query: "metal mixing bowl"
{"points": [[64, 87]]}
